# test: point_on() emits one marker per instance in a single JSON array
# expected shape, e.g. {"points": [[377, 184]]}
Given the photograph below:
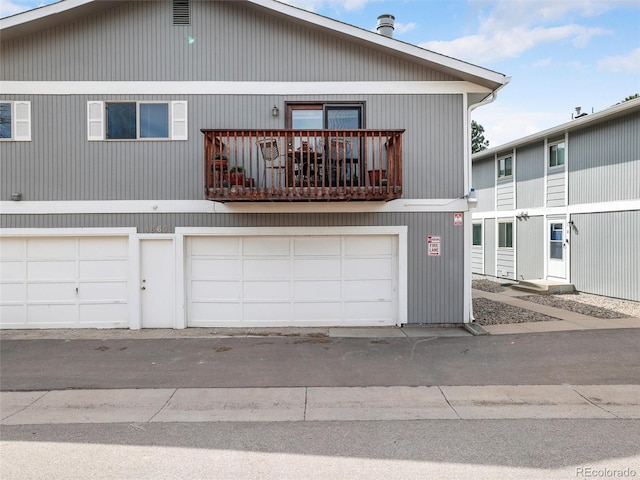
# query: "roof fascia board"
{"points": [[576, 124], [449, 63], [41, 12]]}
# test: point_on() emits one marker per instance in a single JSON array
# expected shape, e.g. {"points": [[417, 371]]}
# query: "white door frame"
{"points": [[164, 295], [556, 270]]}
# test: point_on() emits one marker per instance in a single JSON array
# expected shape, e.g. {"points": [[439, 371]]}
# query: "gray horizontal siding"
{"points": [[556, 187], [505, 195], [60, 164], [530, 248], [484, 181], [604, 161], [505, 264], [530, 176], [605, 254], [234, 41], [476, 260], [435, 283], [490, 246]]}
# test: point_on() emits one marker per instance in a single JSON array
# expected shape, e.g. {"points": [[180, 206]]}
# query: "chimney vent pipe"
{"points": [[386, 23]]}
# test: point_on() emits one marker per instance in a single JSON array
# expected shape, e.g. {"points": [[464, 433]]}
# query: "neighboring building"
{"points": [[564, 204], [120, 199]]}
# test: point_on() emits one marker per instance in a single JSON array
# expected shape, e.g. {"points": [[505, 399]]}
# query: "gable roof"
{"points": [[65, 10], [616, 111]]}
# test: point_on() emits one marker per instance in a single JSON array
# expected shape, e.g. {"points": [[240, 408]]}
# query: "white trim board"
{"points": [[239, 88], [206, 206], [601, 207]]}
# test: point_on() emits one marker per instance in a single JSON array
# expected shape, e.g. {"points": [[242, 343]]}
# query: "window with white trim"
{"points": [[556, 155], [15, 121], [477, 234], [505, 166], [137, 120], [505, 235]]}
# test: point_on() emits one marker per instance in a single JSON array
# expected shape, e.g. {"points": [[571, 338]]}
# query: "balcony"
{"points": [[309, 165]]}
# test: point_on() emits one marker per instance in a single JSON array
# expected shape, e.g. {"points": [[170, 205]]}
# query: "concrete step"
{"points": [[545, 287]]}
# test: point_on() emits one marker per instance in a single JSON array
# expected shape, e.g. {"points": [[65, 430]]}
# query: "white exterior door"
{"points": [[157, 281], [64, 282], [556, 249], [292, 280]]}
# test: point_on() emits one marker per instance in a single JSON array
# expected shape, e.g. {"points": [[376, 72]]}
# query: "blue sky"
{"points": [[561, 54]]}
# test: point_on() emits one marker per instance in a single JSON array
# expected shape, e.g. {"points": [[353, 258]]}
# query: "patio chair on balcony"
{"points": [[274, 162]]}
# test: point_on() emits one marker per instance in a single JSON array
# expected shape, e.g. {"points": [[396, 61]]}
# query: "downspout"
{"points": [[468, 310]]}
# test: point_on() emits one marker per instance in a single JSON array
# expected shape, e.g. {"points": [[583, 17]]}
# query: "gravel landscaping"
{"points": [[488, 312]]}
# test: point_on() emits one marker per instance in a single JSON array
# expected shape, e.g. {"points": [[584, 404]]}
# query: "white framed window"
{"points": [[477, 234], [505, 234], [137, 120], [505, 166], [556, 155], [15, 121]]}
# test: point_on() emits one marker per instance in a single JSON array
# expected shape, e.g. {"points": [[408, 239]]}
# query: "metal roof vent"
{"points": [[578, 114], [181, 12], [386, 23]]}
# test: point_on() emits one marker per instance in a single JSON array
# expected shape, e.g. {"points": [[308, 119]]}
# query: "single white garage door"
{"points": [[63, 282], [292, 280]]}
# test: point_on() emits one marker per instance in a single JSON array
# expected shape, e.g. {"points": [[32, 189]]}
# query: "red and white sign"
{"points": [[457, 218], [433, 245]]}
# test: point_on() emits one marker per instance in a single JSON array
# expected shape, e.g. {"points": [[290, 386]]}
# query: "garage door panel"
{"points": [[305, 291], [368, 290], [368, 245], [12, 248], [106, 314], [103, 248], [256, 268], [317, 268], [318, 312], [51, 247], [54, 270], [216, 268], [368, 268], [203, 314], [317, 246], [96, 269], [271, 246], [271, 312], [219, 246], [10, 270], [13, 315], [66, 314], [376, 312], [51, 292], [267, 290], [216, 290], [13, 292], [103, 291]]}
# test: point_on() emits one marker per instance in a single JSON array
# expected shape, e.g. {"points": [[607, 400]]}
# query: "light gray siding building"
{"points": [[218, 166], [577, 205]]}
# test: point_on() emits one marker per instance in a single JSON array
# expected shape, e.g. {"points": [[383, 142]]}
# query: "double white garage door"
{"points": [[227, 280], [292, 280]]}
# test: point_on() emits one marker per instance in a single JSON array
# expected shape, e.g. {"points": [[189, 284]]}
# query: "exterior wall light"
{"points": [[275, 111]]}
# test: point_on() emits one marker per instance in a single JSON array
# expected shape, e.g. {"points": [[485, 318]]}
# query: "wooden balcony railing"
{"points": [[302, 165]]}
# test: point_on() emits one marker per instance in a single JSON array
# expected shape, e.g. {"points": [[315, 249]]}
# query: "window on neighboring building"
{"points": [[556, 155], [477, 234], [505, 235], [137, 120], [505, 166], [15, 121]]}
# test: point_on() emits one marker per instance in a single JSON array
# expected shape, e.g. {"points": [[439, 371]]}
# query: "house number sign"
{"points": [[157, 229]]}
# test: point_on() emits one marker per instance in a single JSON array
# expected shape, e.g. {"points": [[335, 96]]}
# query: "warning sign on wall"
{"points": [[433, 245], [457, 218]]}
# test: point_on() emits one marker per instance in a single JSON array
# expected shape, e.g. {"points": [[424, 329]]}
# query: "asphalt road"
{"points": [[434, 449], [604, 357]]}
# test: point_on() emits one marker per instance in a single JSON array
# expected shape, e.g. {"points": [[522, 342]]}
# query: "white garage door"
{"points": [[292, 280], [63, 282]]}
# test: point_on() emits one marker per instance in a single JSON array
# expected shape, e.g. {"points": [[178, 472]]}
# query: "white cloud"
{"points": [[511, 28], [404, 27], [629, 63]]}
